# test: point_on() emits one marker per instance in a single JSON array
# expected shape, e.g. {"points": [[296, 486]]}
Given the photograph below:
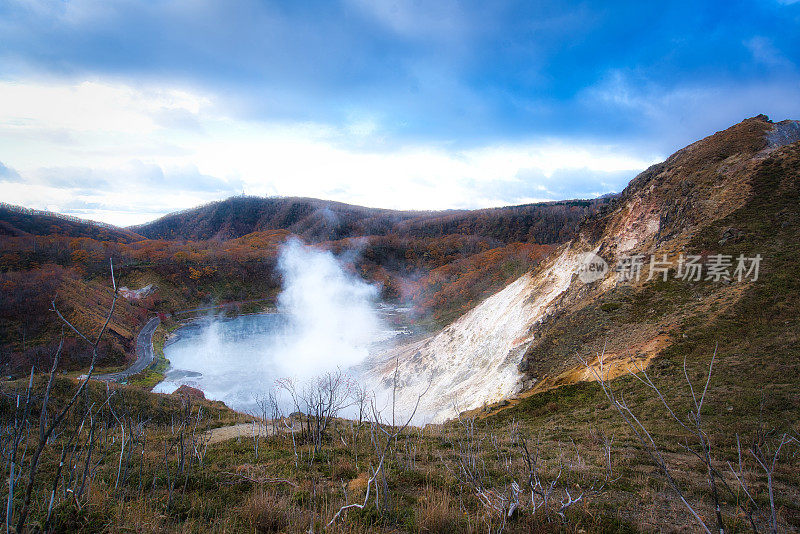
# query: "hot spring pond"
{"points": [[237, 359]]}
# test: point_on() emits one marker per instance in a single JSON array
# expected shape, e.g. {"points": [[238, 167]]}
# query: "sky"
{"points": [[124, 110]]}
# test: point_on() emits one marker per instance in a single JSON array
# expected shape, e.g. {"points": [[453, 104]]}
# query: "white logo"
{"points": [[592, 268]]}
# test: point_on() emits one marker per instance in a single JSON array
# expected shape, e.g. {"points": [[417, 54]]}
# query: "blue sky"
{"points": [[125, 110]]}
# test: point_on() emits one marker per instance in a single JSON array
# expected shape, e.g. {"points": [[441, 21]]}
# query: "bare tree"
{"points": [[384, 438], [644, 437], [46, 429], [361, 399], [700, 449], [324, 398], [20, 424], [767, 460], [318, 402]]}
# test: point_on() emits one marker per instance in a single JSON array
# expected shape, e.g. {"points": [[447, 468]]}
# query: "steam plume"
{"points": [[330, 314]]}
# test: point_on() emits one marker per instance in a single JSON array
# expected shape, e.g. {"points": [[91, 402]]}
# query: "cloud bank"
{"points": [[125, 110], [113, 159]]}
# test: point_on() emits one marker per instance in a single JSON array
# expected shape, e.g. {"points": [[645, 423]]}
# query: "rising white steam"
{"points": [[330, 313], [328, 319]]}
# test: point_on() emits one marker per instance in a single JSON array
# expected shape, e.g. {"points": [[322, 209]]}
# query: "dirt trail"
{"points": [[239, 430]]}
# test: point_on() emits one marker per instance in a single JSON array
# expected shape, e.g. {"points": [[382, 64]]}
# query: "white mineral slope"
{"points": [[474, 360]]}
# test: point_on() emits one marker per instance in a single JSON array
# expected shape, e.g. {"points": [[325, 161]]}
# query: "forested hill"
{"points": [[18, 221], [313, 219], [320, 220]]}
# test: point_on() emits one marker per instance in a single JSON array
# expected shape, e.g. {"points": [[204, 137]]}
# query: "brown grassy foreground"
{"points": [[150, 467]]}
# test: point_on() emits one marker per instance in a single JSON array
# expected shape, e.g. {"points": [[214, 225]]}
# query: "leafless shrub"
{"points": [[700, 447], [48, 425], [383, 438], [508, 474], [319, 400]]}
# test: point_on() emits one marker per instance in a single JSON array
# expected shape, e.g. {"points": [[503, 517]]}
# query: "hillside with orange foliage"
{"points": [[451, 290], [441, 263]]}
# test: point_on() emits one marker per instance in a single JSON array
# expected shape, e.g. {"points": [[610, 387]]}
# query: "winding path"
{"points": [[239, 430], [144, 354]]}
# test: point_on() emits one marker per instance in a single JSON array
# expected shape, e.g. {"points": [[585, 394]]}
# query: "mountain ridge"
{"points": [[322, 220], [20, 221]]}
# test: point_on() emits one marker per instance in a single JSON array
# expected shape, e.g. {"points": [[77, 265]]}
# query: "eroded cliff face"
{"points": [[476, 359], [529, 334]]}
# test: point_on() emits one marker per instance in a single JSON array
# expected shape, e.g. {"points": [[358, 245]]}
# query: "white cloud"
{"points": [[764, 51], [685, 113], [107, 147], [92, 106], [414, 18]]}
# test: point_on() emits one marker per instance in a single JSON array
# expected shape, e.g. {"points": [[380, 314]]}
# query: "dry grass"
{"points": [[266, 512], [438, 513]]}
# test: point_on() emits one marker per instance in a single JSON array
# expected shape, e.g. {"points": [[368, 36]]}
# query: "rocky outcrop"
{"points": [[782, 134], [137, 294], [188, 391]]}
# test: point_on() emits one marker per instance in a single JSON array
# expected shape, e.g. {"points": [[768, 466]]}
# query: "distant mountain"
{"points": [[321, 220], [19, 221], [235, 217]]}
